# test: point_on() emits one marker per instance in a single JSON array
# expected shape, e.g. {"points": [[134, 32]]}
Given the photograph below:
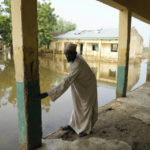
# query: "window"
{"points": [[95, 47], [81, 48], [114, 47]]}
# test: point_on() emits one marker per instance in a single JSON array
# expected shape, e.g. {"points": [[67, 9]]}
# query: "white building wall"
{"points": [[136, 46], [106, 51]]}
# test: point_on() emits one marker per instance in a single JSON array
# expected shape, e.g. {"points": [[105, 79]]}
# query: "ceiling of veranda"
{"points": [[140, 8]]}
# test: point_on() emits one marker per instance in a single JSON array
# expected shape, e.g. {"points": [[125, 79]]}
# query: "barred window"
{"points": [[95, 47], [114, 47]]}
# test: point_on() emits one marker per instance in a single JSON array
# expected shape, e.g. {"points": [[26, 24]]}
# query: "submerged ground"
{"points": [[123, 124]]}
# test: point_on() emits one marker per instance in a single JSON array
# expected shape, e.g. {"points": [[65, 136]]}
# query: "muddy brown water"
{"points": [[55, 114]]}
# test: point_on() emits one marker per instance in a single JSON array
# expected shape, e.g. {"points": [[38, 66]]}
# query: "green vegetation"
{"points": [[49, 24], [5, 23], [64, 26], [47, 20]]}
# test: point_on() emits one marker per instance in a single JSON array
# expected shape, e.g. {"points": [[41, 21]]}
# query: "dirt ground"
{"points": [[123, 124]]}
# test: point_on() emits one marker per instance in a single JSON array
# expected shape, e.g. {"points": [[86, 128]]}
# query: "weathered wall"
{"points": [[104, 52], [136, 45], [87, 45]]}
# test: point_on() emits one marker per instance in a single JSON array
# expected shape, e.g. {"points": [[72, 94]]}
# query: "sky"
{"points": [[92, 14]]}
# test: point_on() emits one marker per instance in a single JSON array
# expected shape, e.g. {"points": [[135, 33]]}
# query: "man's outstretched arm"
{"points": [[43, 95], [64, 85]]}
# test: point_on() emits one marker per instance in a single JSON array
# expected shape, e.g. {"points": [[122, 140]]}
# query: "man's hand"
{"points": [[43, 95]]}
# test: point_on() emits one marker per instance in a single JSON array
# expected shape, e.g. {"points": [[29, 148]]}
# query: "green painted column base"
{"points": [[29, 114], [21, 115], [121, 82], [148, 71]]}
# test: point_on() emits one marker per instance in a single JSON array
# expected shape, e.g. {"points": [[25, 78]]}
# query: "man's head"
{"points": [[70, 52]]}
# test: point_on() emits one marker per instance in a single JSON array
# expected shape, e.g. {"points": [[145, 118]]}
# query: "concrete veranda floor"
{"points": [[123, 124]]}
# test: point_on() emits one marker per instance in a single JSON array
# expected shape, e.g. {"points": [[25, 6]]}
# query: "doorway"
{"points": [[81, 48]]}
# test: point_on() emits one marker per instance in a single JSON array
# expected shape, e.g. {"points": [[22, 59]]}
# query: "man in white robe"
{"points": [[84, 93]]}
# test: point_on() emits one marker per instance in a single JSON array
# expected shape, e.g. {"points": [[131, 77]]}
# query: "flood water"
{"points": [[55, 114]]}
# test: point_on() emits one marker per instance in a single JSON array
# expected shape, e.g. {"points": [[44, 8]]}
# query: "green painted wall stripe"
{"points": [[21, 113], [148, 68], [120, 79]]}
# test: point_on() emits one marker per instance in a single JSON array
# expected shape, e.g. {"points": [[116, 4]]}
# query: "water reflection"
{"points": [[105, 71], [52, 71], [2, 67], [7, 84], [8, 110], [142, 74]]}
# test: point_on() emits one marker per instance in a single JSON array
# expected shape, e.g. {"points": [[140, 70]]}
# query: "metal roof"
{"points": [[0, 37], [90, 34]]}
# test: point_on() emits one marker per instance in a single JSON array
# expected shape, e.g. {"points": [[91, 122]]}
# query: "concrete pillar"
{"points": [[148, 64], [123, 53], [25, 45]]}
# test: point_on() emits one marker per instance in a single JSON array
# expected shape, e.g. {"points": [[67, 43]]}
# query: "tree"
{"points": [[5, 30], [5, 23], [46, 22], [49, 24], [5, 8], [64, 26]]}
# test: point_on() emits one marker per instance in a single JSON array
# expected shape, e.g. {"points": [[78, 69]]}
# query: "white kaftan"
{"points": [[84, 95]]}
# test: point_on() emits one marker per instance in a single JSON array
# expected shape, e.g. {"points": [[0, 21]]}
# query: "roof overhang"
{"points": [[107, 38], [140, 8]]}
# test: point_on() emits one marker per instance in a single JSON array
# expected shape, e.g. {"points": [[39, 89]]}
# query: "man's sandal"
{"points": [[67, 128], [82, 134]]}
